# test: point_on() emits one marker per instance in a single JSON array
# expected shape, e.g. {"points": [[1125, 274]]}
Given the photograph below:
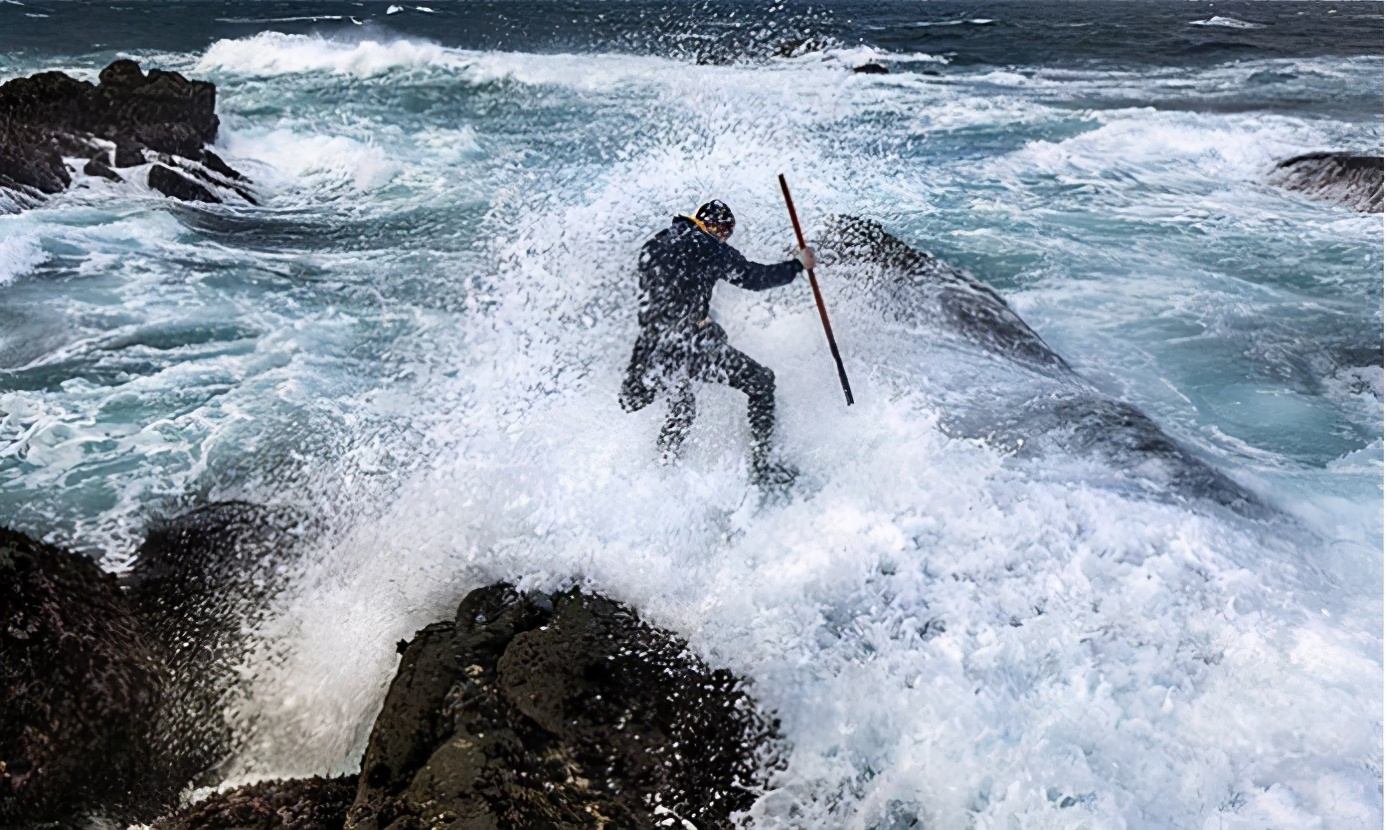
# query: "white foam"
{"points": [[275, 53], [321, 161], [1226, 22], [20, 253]]}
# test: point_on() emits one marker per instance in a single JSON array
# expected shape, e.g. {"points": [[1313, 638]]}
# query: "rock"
{"points": [[129, 153], [214, 162], [97, 167], [199, 582], [560, 711], [298, 804], [1351, 181], [171, 183], [49, 114], [871, 69], [78, 687]]}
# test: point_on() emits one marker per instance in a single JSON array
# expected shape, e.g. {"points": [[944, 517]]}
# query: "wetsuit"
{"points": [[679, 344]]}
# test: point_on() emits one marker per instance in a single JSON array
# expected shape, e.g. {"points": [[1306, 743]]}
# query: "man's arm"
{"points": [[754, 276]]}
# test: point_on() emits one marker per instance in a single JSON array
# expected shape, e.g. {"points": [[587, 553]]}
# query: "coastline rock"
{"points": [[1053, 406], [172, 183], [560, 711], [48, 115], [79, 685], [870, 69], [297, 804], [199, 581], [97, 167], [1348, 180]]}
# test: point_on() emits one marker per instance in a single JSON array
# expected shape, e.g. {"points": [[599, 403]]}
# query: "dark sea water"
{"points": [[417, 337]]}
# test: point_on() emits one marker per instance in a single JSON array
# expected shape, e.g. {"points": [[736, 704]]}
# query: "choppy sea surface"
{"points": [[418, 336]]}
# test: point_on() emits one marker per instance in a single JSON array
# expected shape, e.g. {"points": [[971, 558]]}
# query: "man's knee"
{"points": [[762, 382]]}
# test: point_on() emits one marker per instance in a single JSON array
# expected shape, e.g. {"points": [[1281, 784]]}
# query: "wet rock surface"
{"points": [[297, 804], [1349, 180], [79, 686], [50, 115], [200, 581], [560, 711]]}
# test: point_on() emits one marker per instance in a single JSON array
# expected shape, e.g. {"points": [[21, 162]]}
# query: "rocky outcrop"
{"points": [[79, 687], [560, 711], [200, 581], [1052, 406], [1351, 181], [298, 804], [127, 119]]}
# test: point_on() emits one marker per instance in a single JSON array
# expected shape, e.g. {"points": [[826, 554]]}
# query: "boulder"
{"points": [[79, 686], [1351, 181], [297, 804], [871, 69], [172, 183], [559, 711], [97, 167]]}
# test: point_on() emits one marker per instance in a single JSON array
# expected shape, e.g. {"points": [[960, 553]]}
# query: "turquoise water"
{"points": [[420, 332]]}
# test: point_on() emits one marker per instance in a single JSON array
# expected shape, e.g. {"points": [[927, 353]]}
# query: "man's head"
{"points": [[717, 219]]}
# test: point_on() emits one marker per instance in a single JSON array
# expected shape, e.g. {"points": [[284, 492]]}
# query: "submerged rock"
{"points": [[49, 115], [297, 804], [560, 711], [79, 687], [1351, 181], [907, 287], [172, 183], [870, 69]]}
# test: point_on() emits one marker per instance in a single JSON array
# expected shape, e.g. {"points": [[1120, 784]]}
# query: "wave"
{"points": [[275, 53], [300, 19], [1226, 22], [20, 254]]}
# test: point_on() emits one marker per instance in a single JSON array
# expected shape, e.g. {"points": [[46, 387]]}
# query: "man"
{"points": [[679, 343]]}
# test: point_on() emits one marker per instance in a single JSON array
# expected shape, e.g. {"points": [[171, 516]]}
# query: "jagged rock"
{"points": [[97, 167], [175, 184], [1352, 181], [214, 162], [49, 114], [129, 153], [79, 686], [198, 582], [561, 712], [298, 804], [871, 69]]}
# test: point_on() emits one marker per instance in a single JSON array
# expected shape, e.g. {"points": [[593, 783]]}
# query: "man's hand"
{"points": [[806, 257]]}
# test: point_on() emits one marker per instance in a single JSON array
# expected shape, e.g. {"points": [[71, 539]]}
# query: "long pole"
{"points": [[818, 296]]}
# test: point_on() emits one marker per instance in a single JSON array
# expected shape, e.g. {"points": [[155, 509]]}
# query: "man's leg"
{"points": [[724, 364], [683, 407]]}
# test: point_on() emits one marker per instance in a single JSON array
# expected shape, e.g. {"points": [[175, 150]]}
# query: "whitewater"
{"points": [[417, 339]]}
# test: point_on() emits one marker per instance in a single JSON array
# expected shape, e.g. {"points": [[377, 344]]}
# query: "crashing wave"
{"points": [[1226, 23]]}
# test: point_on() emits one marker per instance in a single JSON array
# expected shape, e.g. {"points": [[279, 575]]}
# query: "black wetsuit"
{"points": [[679, 344]]}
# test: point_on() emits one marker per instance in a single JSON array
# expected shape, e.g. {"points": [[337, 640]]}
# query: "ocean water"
{"points": [[417, 339]]}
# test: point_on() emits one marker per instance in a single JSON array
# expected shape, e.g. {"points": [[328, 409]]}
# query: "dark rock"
{"points": [[129, 153], [298, 804], [558, 712], [1352, 181], [871, 69], [216, 164], [1055, 408], [48, 114], [97, 167], [171, 183], [79, 686], [199, 582]]}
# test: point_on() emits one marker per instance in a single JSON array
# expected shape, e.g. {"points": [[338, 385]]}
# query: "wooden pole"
{"points": [[818, 296]]}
